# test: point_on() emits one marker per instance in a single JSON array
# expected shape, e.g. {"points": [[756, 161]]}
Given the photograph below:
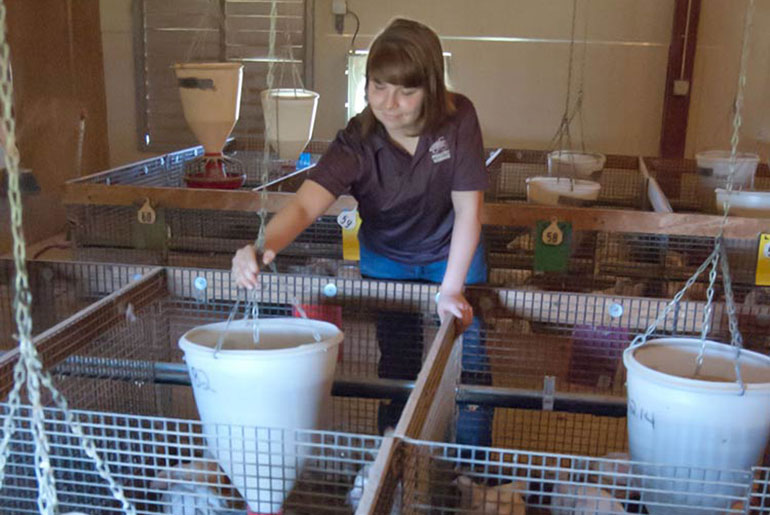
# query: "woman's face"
{"points": [[397, 107]]}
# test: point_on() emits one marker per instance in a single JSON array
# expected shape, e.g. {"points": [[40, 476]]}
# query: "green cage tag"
{"points": [[552, 244]]}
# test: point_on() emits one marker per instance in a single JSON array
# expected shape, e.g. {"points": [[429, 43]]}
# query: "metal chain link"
{"points": [[29, 369], [641, 339]]}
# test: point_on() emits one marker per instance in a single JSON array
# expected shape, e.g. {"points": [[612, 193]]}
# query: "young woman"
{"points": [[414, 161]]}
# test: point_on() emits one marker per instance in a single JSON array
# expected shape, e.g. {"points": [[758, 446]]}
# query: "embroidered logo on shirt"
{"points": [[439, 150]]}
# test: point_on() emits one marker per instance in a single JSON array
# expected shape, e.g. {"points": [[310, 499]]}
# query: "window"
{"points": [[171, 31]]}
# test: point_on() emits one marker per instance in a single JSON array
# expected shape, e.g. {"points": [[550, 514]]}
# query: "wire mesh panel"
{"points": [[167, 171], [617, 263], [521, 338], [689, 188], [58, 291], [129, 368], [444, 478], [622, 184], [165, 465]]}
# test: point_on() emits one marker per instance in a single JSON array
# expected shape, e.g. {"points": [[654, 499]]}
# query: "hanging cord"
{"points": [[566, 118], [29, 370], [355, 33], [201, 33], [579, 102]]}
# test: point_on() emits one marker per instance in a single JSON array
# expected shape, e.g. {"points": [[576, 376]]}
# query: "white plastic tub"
{"points": [[714, 168], [289, 119], [553, 191], [284, 383], [211, 100], [676, 419], [752, 204], [570, 163]]}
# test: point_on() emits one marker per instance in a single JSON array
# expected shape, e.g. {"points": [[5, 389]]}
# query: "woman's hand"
{"points": [[245, 267], [457, 305]]}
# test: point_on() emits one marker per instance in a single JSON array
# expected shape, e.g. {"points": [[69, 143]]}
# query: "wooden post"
{"points": [[681, 58]]}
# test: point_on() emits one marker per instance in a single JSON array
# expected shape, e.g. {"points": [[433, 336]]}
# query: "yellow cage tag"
{"points": [[350, 222], [762, 277]]}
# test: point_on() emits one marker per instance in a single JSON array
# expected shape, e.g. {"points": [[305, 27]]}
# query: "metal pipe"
{"points": [[351, 386]]}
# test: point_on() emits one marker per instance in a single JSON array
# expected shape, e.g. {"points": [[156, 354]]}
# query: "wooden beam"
{"points": [[681, 57], [621, 220], [511, 214]]}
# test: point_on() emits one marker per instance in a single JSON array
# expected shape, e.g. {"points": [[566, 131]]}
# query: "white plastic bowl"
{"points": [[714, 168], [283, 383], [581, 165], [553, 191], [752, 204], [680, 420]]}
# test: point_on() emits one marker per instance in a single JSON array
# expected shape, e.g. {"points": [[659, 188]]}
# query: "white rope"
{"points": [[29, 370]]}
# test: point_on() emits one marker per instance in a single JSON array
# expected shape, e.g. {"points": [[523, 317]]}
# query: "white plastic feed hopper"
{"points": [[282, 382], [211, 100], [289, 119], [678, 418]]}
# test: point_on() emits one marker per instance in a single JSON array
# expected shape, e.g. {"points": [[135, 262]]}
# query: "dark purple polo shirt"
{"points": [[405, 201]]}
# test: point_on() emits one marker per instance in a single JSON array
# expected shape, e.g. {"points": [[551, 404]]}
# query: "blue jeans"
{"points": [[399, 337]]}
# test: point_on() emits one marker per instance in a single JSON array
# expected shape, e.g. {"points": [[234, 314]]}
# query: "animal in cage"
{"points": [[193, 487], [569, 498], [504, 499], [357, 491], [362, 477]]}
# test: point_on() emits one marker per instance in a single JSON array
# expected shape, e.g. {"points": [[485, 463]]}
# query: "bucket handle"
{"points": [[736, 340]]}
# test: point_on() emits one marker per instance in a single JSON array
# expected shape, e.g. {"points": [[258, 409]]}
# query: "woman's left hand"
{"points": [[457, 305]]}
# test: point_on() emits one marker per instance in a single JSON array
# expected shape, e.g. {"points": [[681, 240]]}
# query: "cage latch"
{"points": [[549, 392]]}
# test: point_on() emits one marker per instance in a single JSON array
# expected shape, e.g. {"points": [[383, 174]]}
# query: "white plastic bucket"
{"points": [[581, 165], [676, 420], [714, 168], [553, 191], [289, 119], [211, 100], [251, 397]]}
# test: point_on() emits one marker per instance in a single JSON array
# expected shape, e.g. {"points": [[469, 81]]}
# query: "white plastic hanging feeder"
{"points": [[703, 421], [211, 100], [283, 382], [752, 204], [289, 118], [714, 168], [580, 165], [553, 191]]}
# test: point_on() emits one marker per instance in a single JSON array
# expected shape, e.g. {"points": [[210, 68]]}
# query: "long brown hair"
{"points": [[408, 53]]}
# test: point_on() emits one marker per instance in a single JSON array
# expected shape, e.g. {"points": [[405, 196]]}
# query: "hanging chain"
{"points": [[29, 370], [720, 251], [566, 119], [641, 339]]}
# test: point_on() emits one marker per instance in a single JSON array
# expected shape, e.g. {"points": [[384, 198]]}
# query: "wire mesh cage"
{"points": [[559, 441], [59, 290], [164, 466], [617, 263], [117, 362], [110, 230], [622, 183], [445, 478], [689, 188]]}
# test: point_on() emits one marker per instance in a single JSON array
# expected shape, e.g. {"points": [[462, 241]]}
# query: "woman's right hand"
{"points": [[245, 268]]}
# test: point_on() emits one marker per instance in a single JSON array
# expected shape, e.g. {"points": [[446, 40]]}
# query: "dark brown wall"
{"points": [[56, 54]]}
